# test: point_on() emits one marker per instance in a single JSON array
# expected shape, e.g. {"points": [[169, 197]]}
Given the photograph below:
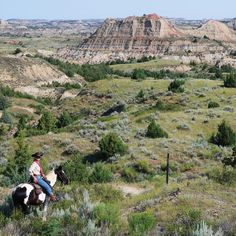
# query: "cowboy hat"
{"points": [[37, 154]]}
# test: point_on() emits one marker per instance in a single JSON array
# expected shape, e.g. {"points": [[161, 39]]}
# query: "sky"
{"points": [[101, 9]]}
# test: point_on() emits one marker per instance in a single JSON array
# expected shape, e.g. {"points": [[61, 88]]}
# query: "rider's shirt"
{"points": [[35, 169]]}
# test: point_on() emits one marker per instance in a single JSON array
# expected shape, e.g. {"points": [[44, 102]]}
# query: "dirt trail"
{"points": [[131, 190], [30, 110]]}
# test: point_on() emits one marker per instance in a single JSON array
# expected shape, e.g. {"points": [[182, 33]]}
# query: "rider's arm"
{"points": [[34, 170]]}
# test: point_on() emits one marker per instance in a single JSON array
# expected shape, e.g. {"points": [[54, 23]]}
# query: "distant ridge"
{"points": [[216, 30]]}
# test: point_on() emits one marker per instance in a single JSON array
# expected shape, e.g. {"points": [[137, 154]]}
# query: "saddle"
{"points": [[37, 188], [34, 195]]}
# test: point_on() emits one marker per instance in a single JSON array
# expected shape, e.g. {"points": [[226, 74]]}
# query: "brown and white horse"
{"points": [[24, 196]]}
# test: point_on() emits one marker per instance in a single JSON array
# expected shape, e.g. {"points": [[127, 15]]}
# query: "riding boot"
{"points": [[53, 198]]}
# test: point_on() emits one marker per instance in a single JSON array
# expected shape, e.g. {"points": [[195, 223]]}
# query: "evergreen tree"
{"points": [[176, 86], [225, 135], [140, 97], [155, 131], [47, 122], [111, 144], [22, 157], [17, 168]]}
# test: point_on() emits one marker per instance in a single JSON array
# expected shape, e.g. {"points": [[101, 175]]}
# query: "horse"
{"points": [[25, 195]]}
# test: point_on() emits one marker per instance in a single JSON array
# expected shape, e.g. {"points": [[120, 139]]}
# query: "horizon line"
{"points": [[77, 19]]}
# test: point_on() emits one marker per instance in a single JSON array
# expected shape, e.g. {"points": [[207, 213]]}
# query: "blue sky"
{"points": [[94, 9]]}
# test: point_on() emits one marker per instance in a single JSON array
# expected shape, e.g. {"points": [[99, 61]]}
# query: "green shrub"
{"points": [[129, 174], [218, 74], [6, 118], [203, 229], [4, 102], [52, 227], [64, 120], [141, 223], [138, 74], [106, 214], [155, 131], [94, 72], [186, 166], [76, 170], [17, 50], [161, 106], [100, 174], [185, 222], [230, 81], [212, 104], [176, 86], [230, 161], [223, 175], [106, 193], [66, 86], [144, 166], [3, 220], [173, 167], [89, 72], [22, 124], [4, 128], [225, 135], [111, 144]]}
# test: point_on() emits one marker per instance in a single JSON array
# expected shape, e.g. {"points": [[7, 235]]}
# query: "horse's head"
{"points": [[61, 175]]}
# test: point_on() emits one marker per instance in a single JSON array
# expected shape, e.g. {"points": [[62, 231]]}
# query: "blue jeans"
{"points": [[44, 185]]}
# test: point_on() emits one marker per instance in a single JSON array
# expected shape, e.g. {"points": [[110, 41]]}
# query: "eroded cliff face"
{"points": [[135, 27], [151, 35], [28, 75]]}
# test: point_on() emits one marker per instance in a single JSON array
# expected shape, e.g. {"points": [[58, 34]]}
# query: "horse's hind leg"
{"points": [[45, 209]]}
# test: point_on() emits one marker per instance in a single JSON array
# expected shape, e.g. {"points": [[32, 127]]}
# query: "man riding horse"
{"points": [[38, 177]]}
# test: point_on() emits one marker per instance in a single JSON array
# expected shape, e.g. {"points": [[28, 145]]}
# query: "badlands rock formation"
{"points": [[152, 35], [215, 30]]}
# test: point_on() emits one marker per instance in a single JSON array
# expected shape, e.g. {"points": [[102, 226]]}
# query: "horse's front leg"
{"points": [[45, 209]]}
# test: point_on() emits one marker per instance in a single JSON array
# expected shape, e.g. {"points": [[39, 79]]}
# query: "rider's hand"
{"points": [[44, 176], [35, 180]]}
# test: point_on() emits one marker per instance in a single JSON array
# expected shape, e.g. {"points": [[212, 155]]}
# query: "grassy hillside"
{"points": [[149, 65], [127, 193]]}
